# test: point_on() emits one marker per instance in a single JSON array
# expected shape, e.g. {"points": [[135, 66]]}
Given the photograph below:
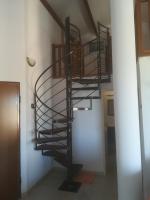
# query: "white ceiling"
{"points": [[78, 14]]}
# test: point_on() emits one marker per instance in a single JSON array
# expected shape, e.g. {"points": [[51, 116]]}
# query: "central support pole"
{"points": [[68, 69], [69, 184], [129, 166]]}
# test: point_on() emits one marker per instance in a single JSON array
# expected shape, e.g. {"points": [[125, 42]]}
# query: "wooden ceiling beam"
{"points": [[90, 16], [53, 13]]}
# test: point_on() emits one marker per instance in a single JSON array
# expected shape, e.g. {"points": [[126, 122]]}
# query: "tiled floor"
{"points": [[103, 188]]}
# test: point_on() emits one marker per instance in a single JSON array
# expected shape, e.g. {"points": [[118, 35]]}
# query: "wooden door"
{"points": [[9, 141]]}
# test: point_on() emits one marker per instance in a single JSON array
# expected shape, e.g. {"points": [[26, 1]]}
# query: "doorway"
{"points": [[109, 129], [9, 140]]}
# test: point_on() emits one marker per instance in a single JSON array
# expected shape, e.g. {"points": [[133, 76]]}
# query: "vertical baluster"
{"points": [[35, 119], [54, 59], [59, 63], [99, 66]]}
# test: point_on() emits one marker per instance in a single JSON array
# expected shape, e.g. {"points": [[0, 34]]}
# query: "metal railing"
{"points": [[53, 90]]}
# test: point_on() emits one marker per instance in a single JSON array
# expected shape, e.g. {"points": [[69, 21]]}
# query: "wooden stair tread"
{"points": [[53, 131], [52, 139]]}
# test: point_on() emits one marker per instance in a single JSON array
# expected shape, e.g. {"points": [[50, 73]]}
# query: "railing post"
{"points": [[99, 57], [108, 54], [35, 118], [68, 70], [54, 60]]}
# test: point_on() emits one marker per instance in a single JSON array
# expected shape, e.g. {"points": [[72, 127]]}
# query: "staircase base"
{"points": [[70, 186]]}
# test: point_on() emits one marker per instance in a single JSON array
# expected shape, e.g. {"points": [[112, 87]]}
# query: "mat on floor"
{"points": [[86, 177]]}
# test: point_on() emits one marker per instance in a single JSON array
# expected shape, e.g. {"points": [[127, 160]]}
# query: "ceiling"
{"points": [[100, 11], [78, 13]]}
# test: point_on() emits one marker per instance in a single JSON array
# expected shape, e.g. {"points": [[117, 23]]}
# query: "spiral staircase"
{"points": [[75, 76]]}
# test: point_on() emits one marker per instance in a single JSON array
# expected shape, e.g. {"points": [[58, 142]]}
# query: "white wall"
{"points": [[129, 169], [88, 136], [144, 64], [42, 31], [12, 62], [26, 30]]}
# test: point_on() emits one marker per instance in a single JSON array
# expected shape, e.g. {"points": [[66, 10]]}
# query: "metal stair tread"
{"points": [[55, 153], [86, 81], [53, 131], [106, 80], [52, 139], [84, 98], [91, 81], [50, 146], [61, 120], [86, 88], [63, 159]]}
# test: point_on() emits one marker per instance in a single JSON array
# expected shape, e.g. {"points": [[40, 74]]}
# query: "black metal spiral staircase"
{"points": [[56, 96]]}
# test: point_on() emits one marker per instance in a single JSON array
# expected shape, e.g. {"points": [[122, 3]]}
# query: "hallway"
{"points": [[104, 188]]}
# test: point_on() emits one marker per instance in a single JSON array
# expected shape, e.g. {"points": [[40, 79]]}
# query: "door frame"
{"points": [[105, 94], [19, 145]]}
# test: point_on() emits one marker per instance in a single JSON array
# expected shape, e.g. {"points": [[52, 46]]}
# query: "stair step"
{"points": [[86, 81], [91, 81], [63, 120], [63, 160], [55, 154], [84, 98], [54, 131], [52, 139], [58, 156], [50, 147], [86, 88], [106, 80]]}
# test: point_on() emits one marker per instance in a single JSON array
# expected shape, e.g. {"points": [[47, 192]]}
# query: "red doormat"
{"points": [[85, 177]]}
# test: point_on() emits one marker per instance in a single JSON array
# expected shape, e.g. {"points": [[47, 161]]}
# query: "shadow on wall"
{"points": [[42, 31]]}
